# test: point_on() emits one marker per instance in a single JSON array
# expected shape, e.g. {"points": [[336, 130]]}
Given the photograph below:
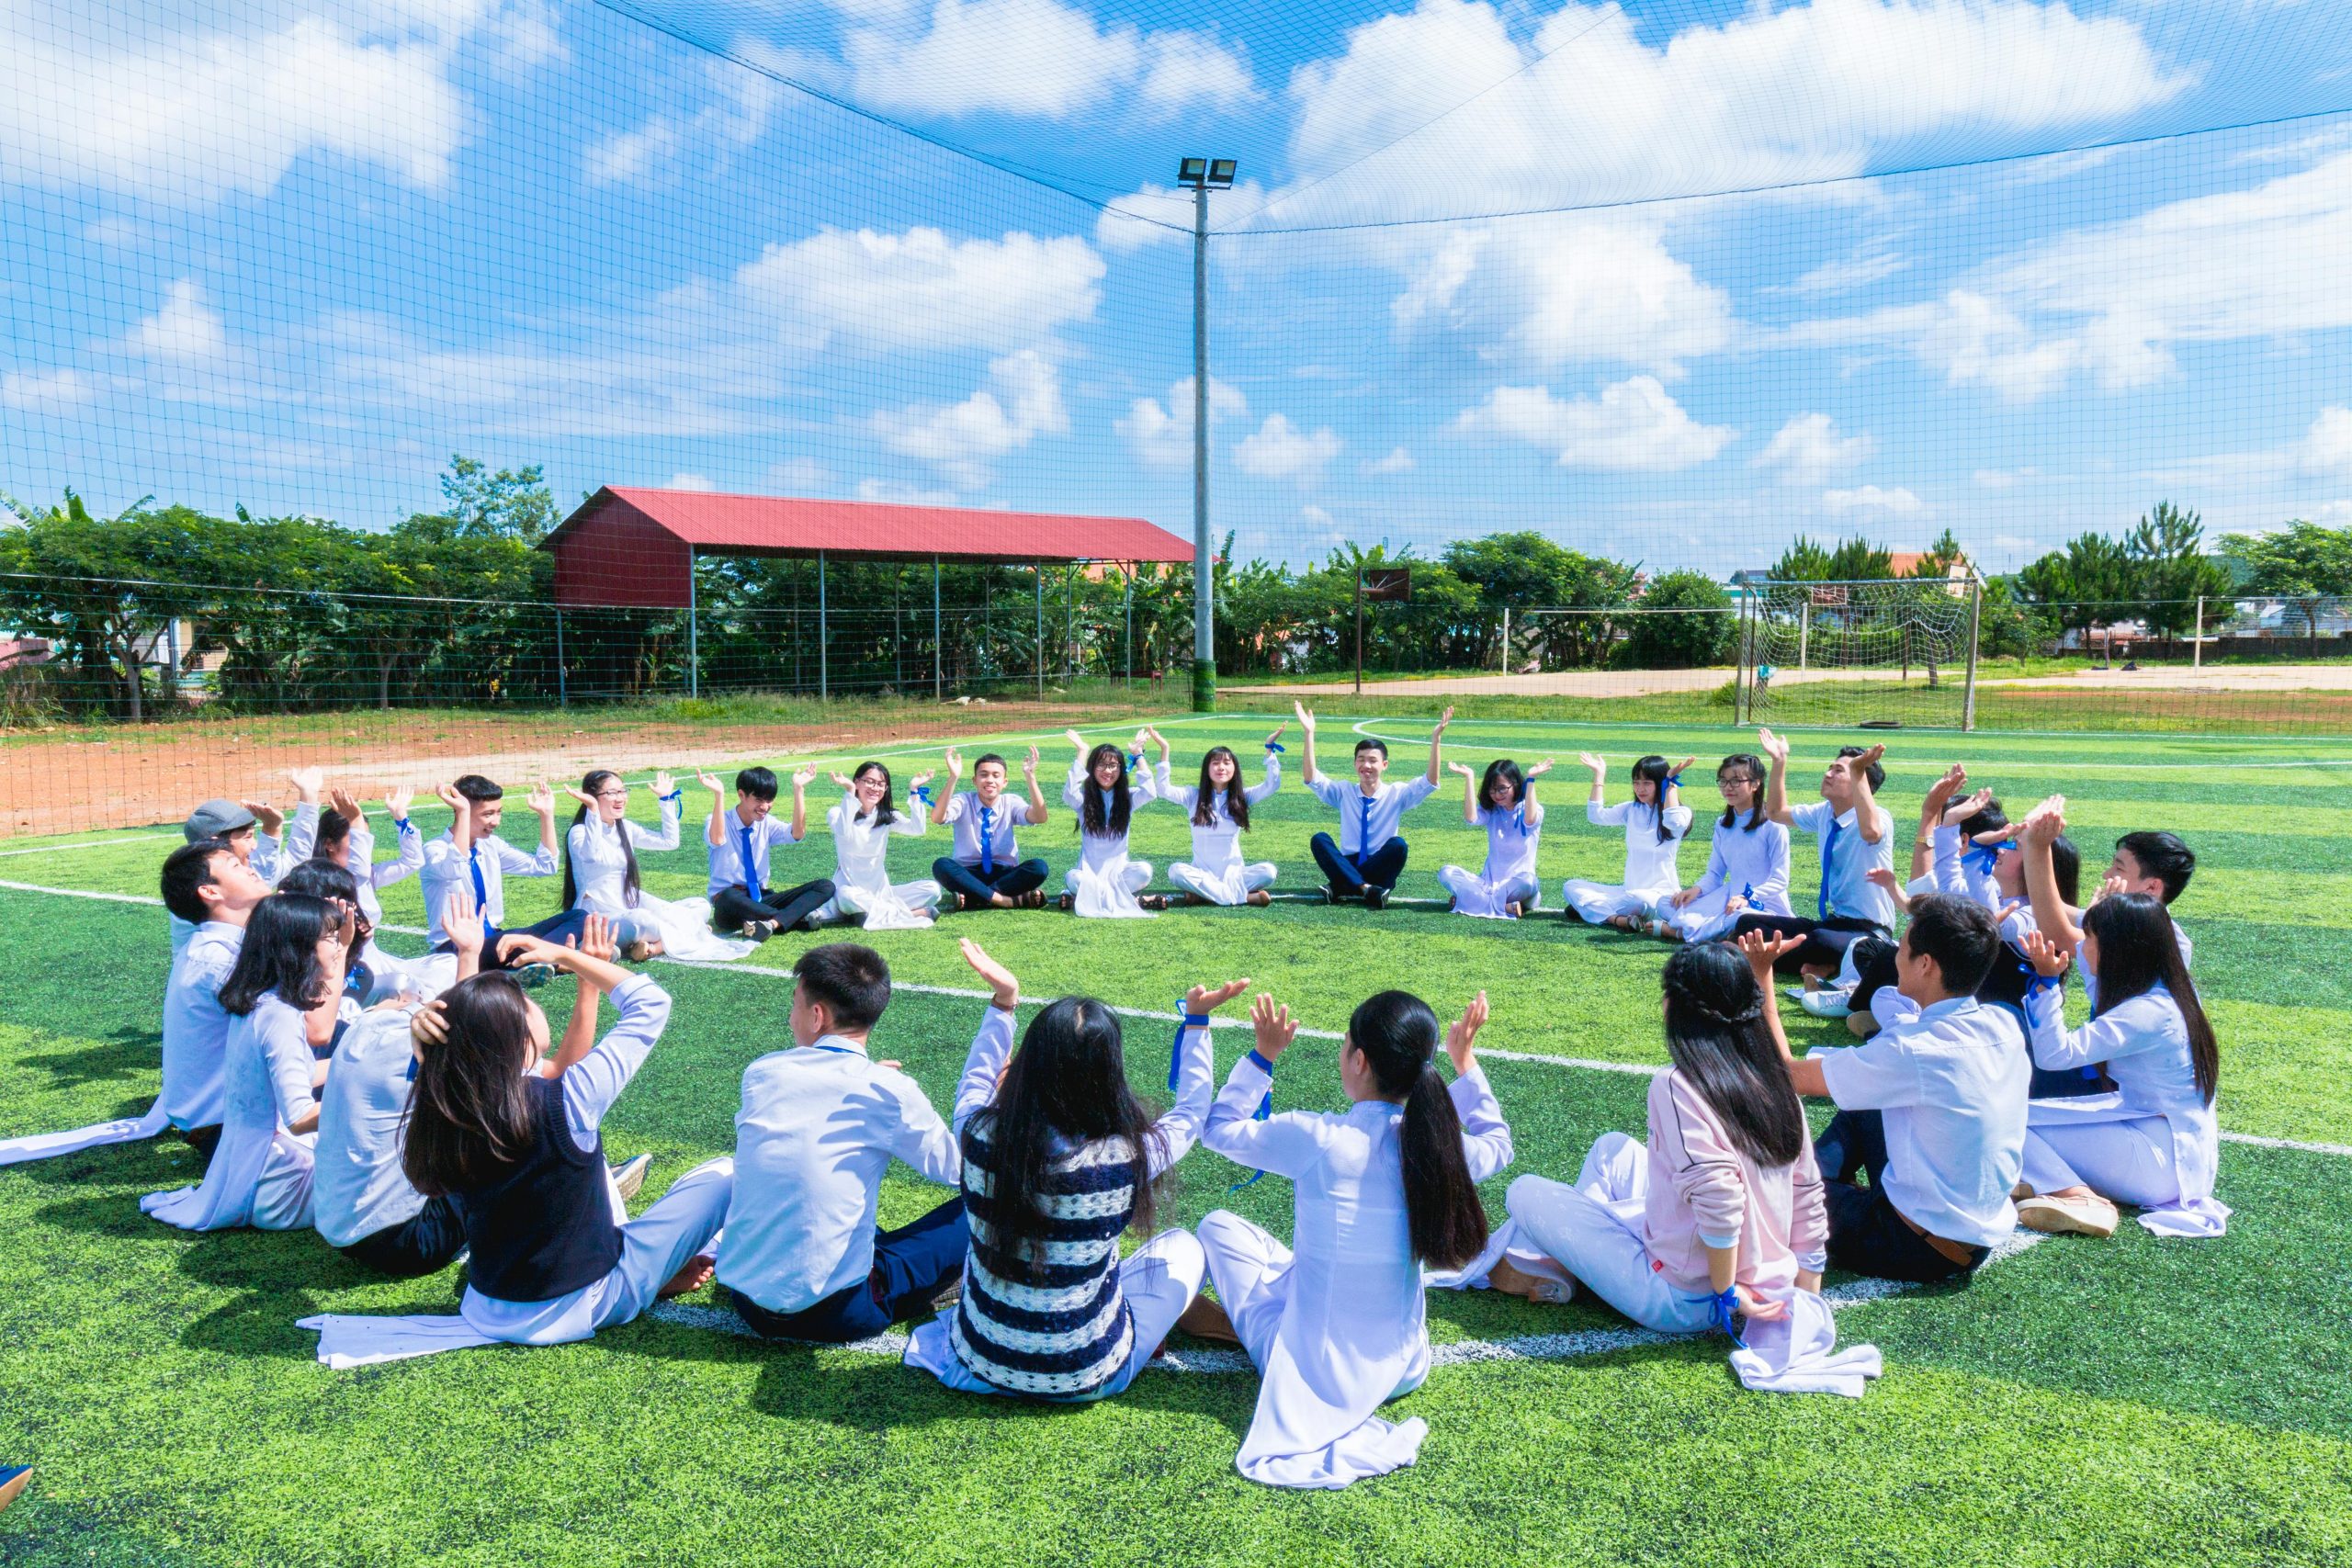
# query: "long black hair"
{"points": [[597, 778], [1656, 769], [469, 1114], [886, 809], [1716, 1034], [325, 879], [1236, 799], [280, 954], [1398, 1034], [1753, 766], [1066, 1085], [2066, 862], [1502, 769], [2138, 949], [333, 835], [1091, 818]]}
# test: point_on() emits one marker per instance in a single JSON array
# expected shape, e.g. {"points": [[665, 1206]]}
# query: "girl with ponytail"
{"points": [[1722, 1211], [1338, 1327]]}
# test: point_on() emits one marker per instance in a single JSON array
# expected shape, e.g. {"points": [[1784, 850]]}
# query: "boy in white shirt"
{"points": [[1369, 854], [211, 888], [471, 854], [1857, 838], [740, 838], [1933, 1107], [819, 1126], [984, 870], [249, 830]]}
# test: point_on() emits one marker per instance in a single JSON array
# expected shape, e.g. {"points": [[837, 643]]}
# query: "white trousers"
{"points": [[1109, 893], [1159, 1279], [898, 906], [654, 1247], [1228, 887], [2130, 1162], [1704, 918], [1252, 1272], [1597, 903], [1594, 1230], [1473, 895]]}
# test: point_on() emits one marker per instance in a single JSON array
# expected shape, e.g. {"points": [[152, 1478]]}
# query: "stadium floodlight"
{"points": [[1201, 176]]}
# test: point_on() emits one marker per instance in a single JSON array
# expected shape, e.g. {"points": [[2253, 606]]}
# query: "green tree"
{"points": [[2167, 551], [2302, 563], [1850, 560], [106, 590], [1693, 632], [2093, 581], [513, 503]]}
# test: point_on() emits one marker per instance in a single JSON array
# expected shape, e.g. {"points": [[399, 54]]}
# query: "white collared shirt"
{"points": [[357, 1187], [964, 809], [1951, 1084], [1847, 861], [727, 858], [448, 867], [196, 1030], [818, 1127], [1653, 866], [1369, 821], [1218, 846]]}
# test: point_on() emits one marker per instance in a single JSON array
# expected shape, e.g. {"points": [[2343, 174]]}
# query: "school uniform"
{"points": [[862, 883], [1085, 1323], [1636, 1224], [818, 1127], [268, 862], [986, 856], [2155, 1141], [1751, 863], [1508, 876], [360, 1198], [196, 1028], [1217, 873], [1368, 852], [1934, 1109], [1653, 868], [1848, 905], [260, 1174], [482, 868], [359, 855], [741, 888], [1104, 882], [549, 1262], [1338, 1326], [599, 859]]}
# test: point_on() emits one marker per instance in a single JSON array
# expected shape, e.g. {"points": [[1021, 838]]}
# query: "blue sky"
{"points": [[293, 254]]}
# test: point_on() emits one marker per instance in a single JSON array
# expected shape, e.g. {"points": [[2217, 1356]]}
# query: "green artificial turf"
{"points": [[2129, 1402]]}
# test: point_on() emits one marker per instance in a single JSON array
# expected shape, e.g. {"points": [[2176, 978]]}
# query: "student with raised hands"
{"points": [[1107, 883], [471, 854], [742, 838], [2153, 863], [1061, 1159], [601, 874], [984, 868], [1338, 1327], [2155, 1141], [1503, 803], [1218, 808], [1747, 862], [1653, 821], [249, 830], [284, 999], [1932, 1106], [1720, 1214], [341, 835], [1856, 835], [862, 823], [1366, 859]]}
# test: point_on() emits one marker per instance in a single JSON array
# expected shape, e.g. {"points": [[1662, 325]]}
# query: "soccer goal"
{"points": [[1890, 651]]}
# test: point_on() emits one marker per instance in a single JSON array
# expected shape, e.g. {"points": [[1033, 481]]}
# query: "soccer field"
{"points": [[2125, 1402]]}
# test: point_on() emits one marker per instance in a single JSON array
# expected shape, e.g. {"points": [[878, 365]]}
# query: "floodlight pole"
{"points": [[1203, 175]]}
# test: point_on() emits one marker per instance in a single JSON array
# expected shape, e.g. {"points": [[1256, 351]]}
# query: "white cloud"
{"points": [[801, 473], [738, 108], [1803, 92], [690, 481], [1871, 264], [1898, 501], [1398, 461], [186, 331], [1036, 58], [899, 494], [2326, 447], [191, 118], [1279, 451], [1155, 215], [1565, 289], [46, 391], [922, 290], [1022, 401], [2004, 478], [1808, 450], [1633, 425], [1162, 435]]}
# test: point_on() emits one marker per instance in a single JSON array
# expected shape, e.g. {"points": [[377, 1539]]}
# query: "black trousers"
{"points": [[1867, 1234], [1379, 869], [912, 1266], [1824, 941], [424, 1243], [787, 907], [1011, 879]]}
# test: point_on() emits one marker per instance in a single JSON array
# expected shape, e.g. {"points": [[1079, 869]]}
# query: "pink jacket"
{"points": [[1701, 1186]]}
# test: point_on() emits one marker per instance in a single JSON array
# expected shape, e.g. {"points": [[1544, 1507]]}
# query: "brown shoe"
{"points": [[1206, 1319], [1032, 899]]}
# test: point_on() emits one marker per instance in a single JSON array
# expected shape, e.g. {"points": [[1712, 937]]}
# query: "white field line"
{"points": [[1589, 1064], [86, 844]]}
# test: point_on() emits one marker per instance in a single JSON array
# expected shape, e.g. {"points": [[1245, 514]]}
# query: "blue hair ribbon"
{"points": [[1980, 858], [1276, 745]]}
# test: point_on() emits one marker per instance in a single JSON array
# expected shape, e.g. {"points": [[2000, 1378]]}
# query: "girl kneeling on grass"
{"points": [[1060, 1159], [1338, 1327], [2155, 1141], [522, 1158], [1720, 1212]]}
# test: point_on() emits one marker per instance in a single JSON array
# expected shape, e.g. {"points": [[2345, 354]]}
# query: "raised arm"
{"points": [[913, 823], [541, 800], [1036, 796], [714, 832], [1437, 749], [800, 778], [1307, 770], [1776, 777], [1871, 824], [1763, 950], [1288, 1143], [1179, 1126], [668, 800], [1931, 817], [2035, 836], [1669, 798], [1486, 1137], [1535, 807], [579, 1034], [1273, 779], [954, 777], [1469, 791], [1600, 768], [991, 1050]]}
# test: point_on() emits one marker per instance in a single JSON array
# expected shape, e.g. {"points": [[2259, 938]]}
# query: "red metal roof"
{"points": [[783, 526]]}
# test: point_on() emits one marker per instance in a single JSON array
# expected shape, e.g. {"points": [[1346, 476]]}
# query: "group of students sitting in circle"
{"points": [[412, 1110]]}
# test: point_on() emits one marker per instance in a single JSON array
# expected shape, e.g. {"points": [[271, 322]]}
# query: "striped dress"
{"points": [[1062, 1330]]}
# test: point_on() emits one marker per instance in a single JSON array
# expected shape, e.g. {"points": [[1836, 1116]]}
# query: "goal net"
{"points": [[1884, 651]]}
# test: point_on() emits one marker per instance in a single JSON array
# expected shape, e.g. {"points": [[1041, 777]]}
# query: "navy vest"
{"points": [[546, 1228]]}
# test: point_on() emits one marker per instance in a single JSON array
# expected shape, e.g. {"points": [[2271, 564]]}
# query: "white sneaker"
{"points": [[1826, 1004], [1795, 993], [629, 1178], [2087, 1216]]}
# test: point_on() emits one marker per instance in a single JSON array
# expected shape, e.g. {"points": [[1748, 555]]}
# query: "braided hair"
{"points": [[1717, 1036]]}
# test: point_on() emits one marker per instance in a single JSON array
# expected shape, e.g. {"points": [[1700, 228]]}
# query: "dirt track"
{"points": [[1648, 682]]}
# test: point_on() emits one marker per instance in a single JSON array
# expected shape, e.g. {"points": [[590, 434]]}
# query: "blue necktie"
{"points": [[750, 868], [1828, 849], [481, 889], [987, 842], [1363, 837]]}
